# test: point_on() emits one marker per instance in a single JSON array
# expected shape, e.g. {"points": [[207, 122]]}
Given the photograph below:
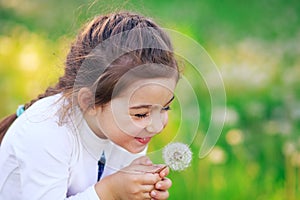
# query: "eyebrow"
{"points": [[147, 106]]}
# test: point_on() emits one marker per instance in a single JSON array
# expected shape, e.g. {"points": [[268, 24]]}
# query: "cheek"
{"points": [[165, 118], [140, 123], [131, 127]]}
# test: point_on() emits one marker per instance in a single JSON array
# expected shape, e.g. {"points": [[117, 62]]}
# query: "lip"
{"points": [[144, 140]]}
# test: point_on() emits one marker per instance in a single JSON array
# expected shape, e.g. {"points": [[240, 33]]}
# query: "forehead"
{"points": [[149, 92]]}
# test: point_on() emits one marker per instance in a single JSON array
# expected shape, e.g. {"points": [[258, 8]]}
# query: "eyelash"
{"points": [[166, 108], [146, 115], [141, 115]]}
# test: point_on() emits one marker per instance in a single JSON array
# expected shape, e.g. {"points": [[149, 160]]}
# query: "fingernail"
{"points": [[153, 193], [158, 186]]}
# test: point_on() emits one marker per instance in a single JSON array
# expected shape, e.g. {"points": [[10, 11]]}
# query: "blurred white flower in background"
{"points": [[234, 137], [289, 148], [217, 155], [177, 156], [231, 117]]}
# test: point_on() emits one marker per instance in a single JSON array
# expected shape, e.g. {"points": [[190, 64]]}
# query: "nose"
{"points": [[157, 122]]}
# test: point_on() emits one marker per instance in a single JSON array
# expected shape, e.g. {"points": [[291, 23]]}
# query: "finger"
{"points": [[146, 195], [146, 188], [164, 172], [142, 195], [164, 184], [150, 179], [159, 195], [142, 191], [143, 160], [146, 168]]}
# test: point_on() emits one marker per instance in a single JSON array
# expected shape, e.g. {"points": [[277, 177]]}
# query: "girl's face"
{"points": [[140, 112]]}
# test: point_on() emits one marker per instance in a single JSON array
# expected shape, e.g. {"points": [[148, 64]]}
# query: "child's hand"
{"points": [[160, 191], [135, 182]]}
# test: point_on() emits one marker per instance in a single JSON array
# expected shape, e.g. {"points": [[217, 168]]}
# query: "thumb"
{"points": [[143, 160]]}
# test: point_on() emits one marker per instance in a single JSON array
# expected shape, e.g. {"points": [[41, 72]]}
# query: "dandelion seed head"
{"points": [[177, 156]]}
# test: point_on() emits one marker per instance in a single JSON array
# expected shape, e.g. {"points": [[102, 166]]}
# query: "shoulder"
{"points": [[42, 116], [38, 128], [45, 108]]}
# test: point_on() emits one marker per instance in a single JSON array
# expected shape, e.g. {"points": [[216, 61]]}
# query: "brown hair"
{"points": [[106, 49]]}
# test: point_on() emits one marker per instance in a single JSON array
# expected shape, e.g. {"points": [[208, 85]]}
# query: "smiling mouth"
{"points": [[144, 140]]}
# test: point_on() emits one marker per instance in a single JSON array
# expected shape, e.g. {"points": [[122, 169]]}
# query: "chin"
{"points": [[132, 148], [136, 150]]}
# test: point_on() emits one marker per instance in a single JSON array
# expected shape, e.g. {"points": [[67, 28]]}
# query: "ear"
{"points": [[85, 101]]}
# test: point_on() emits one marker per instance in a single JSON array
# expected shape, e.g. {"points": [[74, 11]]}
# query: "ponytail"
{"points": [[5, 124]]}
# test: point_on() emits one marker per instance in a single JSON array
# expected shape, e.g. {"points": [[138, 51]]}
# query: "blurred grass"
{"points": [[255, 44]]}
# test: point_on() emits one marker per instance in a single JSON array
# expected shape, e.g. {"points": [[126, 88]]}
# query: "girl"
{"points": [[86, 137]]}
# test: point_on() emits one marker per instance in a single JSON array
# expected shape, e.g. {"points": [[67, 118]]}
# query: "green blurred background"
{"points": [[255, 44]]}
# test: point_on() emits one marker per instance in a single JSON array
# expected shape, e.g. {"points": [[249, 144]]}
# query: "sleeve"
{"points": [[89, 193], [44, 155]]}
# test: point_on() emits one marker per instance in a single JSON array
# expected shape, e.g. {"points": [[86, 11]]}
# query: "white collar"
{"points": [[93, 144]]}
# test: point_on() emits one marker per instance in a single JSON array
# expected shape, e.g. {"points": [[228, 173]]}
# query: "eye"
{"points": [[141, 115], [166, 108]]}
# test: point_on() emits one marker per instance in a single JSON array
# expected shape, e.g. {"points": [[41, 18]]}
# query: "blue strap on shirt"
{"points": [[101, 164]]}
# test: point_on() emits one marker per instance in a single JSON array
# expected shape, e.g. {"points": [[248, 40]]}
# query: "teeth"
{"points": [[143, 139]]}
